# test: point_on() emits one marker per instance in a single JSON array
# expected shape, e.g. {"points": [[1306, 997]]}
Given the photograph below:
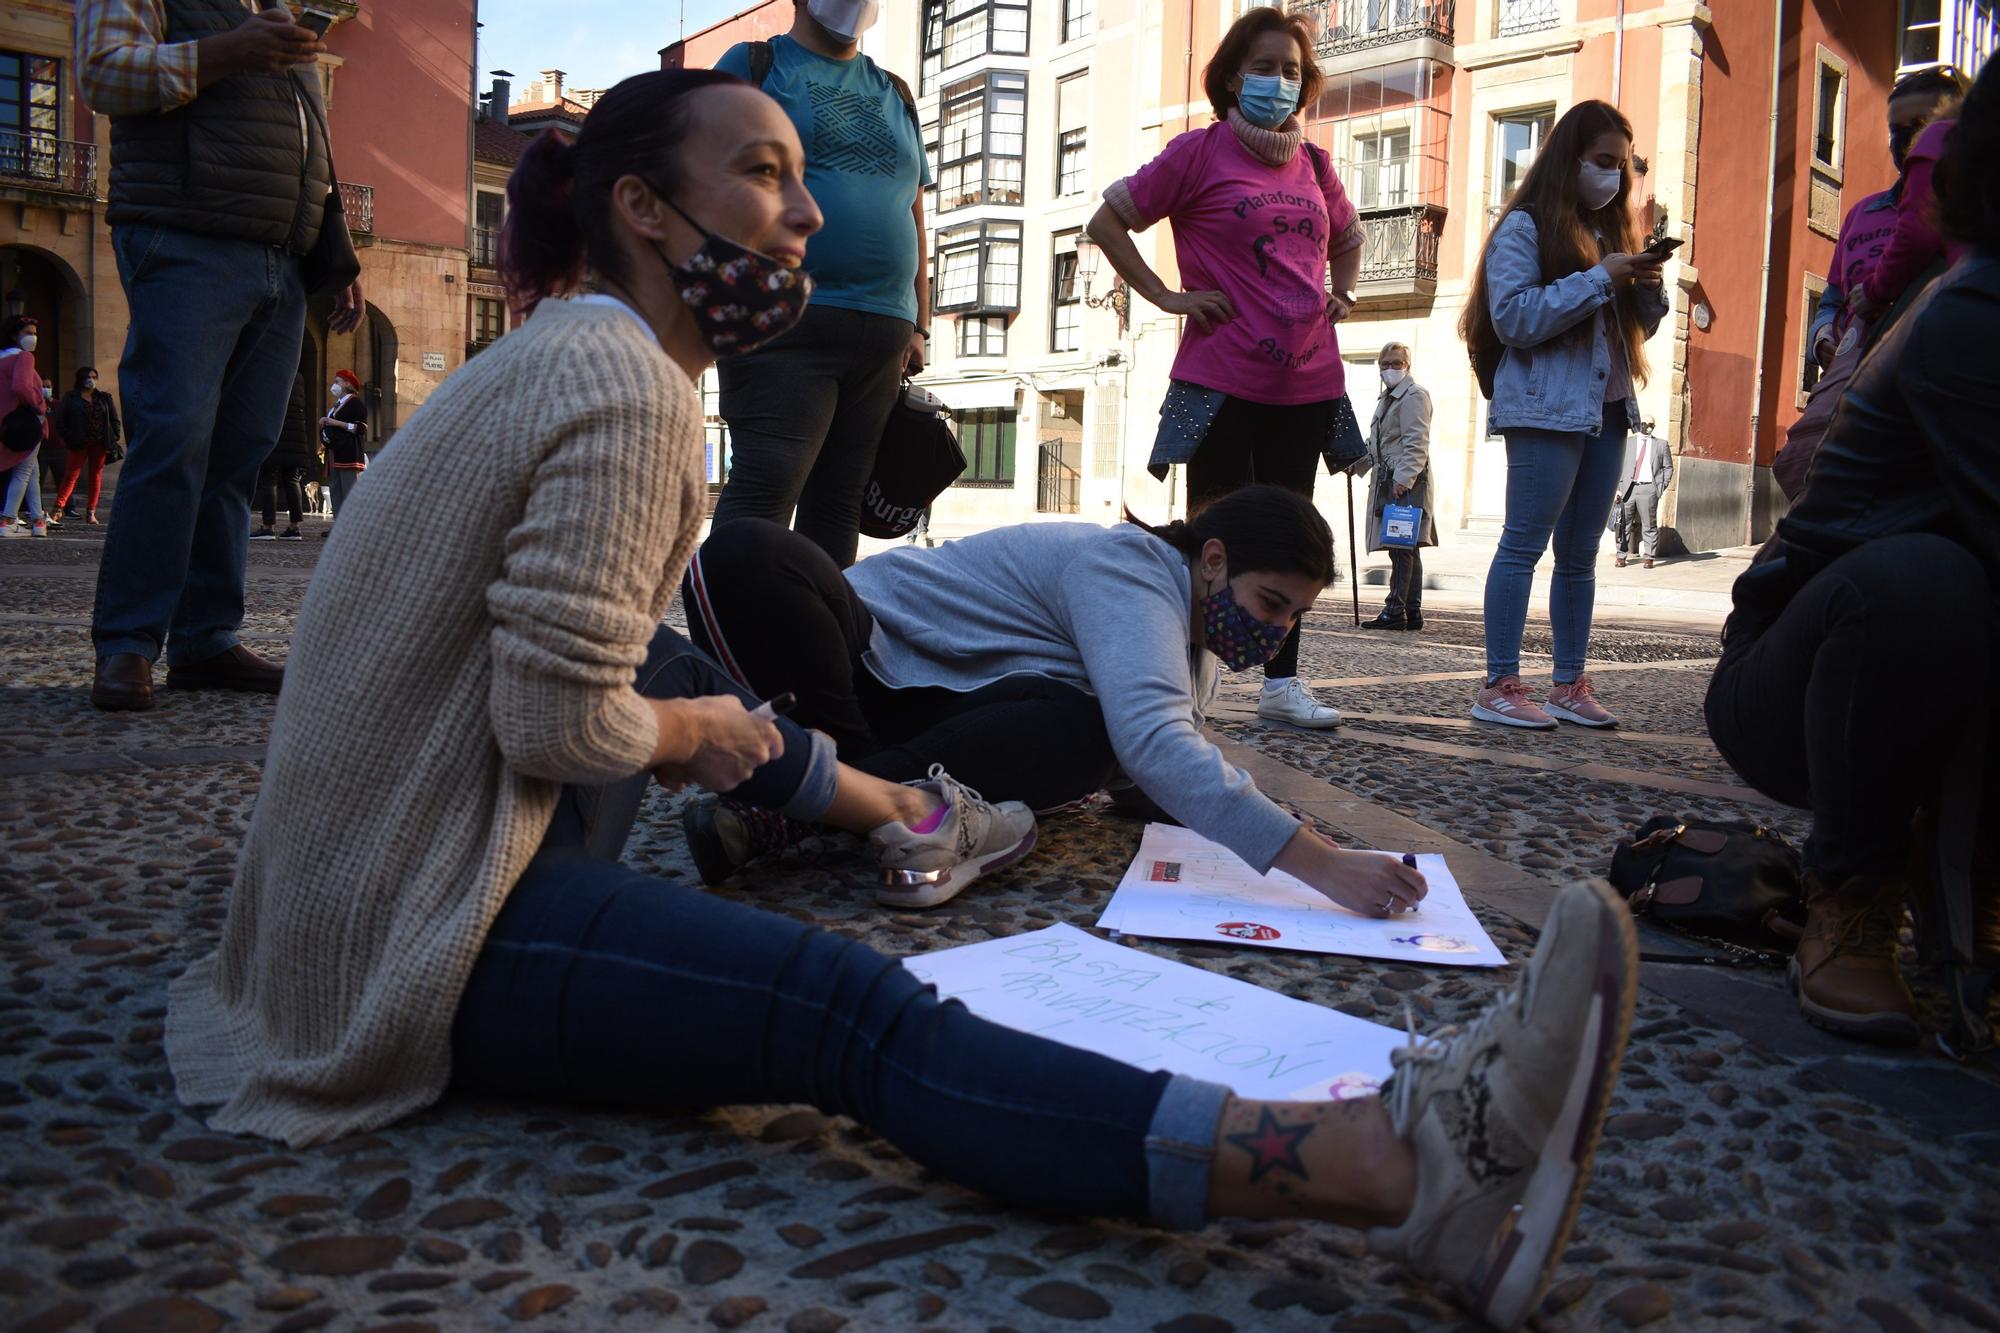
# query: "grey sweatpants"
{"points": [[1639, 521]]}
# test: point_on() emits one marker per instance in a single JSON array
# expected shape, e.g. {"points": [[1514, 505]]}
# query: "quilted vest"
{"points": [[246, 160]]}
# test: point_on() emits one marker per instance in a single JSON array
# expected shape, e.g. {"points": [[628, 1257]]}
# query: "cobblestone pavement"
{"points": [[1755, 1174]]}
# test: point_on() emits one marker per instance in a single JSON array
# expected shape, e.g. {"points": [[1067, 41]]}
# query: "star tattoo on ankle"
{"points": [[1272, 1145]]}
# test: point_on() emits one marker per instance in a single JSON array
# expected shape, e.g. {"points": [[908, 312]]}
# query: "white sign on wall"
{"points": [[434, 361]]}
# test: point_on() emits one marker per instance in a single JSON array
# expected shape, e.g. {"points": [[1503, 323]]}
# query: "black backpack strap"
{"points": [[760, 63], [909, 102]]}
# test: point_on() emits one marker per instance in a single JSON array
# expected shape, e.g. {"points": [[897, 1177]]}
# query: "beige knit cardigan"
{"points": [[454, 664]]}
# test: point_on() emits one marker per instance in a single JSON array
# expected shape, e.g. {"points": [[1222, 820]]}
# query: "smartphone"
{"points": [[317, 20], [1663, 246]]}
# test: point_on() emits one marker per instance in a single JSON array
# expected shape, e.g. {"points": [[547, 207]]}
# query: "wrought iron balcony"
{"points": [[1519, 16], [1399, 251], [1360, 25], [47, 165], [358, 203]]}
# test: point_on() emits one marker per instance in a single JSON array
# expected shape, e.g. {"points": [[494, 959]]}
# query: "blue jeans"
{"points": [[207, 372], [600, 984], [1560, 484], [25, 481]]}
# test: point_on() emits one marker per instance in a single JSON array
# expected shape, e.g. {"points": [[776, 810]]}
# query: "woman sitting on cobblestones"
{"points": [[422, 902], [1882, 575]]}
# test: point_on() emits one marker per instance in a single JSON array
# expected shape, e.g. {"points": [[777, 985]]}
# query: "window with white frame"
{"points": [[489, 320], [488, 210], [1065, 296], [1829, 144], [955, 31], [1073, 135], [1517, 138], [1519, 16], [1959, 33], [979, 268], [1382, 169], [982, 126], [1077, 18], [982, 335]]}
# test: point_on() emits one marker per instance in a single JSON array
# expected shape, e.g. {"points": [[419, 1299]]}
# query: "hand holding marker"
{"points": [[777, 706]]}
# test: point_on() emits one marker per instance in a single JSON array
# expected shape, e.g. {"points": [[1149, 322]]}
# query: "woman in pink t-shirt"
{"points": [[1258, 391]]}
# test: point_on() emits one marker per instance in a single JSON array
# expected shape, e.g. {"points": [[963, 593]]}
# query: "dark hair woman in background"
{"points": [[88, 421]]}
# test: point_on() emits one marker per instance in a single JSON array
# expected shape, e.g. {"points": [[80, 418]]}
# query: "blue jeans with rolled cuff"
{"points": [[1559, 490], [599, 984]]}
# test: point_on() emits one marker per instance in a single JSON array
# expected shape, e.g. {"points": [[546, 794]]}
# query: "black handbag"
{"points": [[917, 458], [331, 266], [1734, 885]]}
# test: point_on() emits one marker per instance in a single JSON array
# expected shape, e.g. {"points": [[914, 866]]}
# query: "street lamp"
{"points": [[1118, 300]]}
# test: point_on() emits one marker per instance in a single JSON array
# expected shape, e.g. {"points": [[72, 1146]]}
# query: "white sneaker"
{"points": [[13, 530], [1287, 700], [975, 836], [1504, 1116]]}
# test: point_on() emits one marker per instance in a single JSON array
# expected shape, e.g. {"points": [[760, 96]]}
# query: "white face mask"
{"points": [[90, 385], [1393, 376], [28, 341], [1597, 185], [845, 18], [337, 389]]}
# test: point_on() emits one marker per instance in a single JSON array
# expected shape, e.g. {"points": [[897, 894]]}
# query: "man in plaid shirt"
{"points": [[222, 181]]}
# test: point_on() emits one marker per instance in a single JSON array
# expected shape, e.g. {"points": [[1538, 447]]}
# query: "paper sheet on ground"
{"points": [[1071, 987], [1184, 887]]}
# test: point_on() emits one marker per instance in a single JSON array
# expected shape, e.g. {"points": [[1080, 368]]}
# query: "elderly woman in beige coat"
{"points": [[1399, 455]]}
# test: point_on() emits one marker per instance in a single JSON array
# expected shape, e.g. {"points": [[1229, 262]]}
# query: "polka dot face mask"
{"points": [[1235, 636]]}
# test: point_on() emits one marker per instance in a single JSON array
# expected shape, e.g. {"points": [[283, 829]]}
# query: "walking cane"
{"points": [[1353, 554]]}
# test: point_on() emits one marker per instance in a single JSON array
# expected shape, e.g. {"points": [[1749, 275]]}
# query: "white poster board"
{"points": [[1184, 887], [1069, 986]]}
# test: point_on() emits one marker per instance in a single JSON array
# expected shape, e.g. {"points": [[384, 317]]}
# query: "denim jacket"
{"points": [[1544, 381]]}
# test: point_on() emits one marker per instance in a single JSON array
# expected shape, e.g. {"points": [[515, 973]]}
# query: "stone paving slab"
{"points": [[1746, 1181]]}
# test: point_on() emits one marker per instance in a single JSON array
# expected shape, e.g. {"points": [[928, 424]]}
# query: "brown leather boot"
{"points": [[1844, 971]]}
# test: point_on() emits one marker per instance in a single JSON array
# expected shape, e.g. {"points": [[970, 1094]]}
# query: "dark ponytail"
{"points": [[1261, 528], [560, 221]]}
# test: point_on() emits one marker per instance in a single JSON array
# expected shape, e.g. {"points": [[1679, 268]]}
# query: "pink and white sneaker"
{"points": [[1507, 702], [1577, 702]]}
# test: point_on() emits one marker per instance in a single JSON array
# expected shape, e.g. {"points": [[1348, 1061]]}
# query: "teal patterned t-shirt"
{"points": [[864, 166]]}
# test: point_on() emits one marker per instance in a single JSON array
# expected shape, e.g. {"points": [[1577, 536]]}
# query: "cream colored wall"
{"points": [[420, 289]]}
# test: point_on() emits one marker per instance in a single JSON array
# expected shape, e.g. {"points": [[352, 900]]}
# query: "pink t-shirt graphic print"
{"points": [[1259, 234]]}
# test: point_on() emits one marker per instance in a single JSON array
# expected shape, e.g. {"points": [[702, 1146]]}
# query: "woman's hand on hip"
{"points": [[1338, 306], [717, 743], [1206, 309]]}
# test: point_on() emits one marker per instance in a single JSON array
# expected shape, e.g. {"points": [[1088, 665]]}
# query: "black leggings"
{"points": [[281, 485], [1260, 442], [778, 614], [1850, 702]]}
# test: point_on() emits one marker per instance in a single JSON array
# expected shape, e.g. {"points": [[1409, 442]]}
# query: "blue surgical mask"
{"points": [[1267, 99]]}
